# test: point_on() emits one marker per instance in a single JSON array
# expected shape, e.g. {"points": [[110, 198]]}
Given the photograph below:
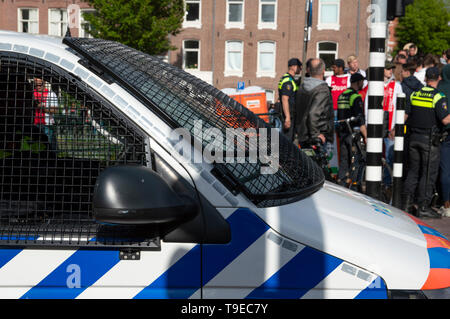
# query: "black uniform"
{"points": [[428, 109], [350, 104], [288, 86]]}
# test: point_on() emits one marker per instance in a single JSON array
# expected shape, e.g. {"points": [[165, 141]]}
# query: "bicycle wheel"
{"points": [[358, 173], [327, 173], [387, 182], [359, 178]]}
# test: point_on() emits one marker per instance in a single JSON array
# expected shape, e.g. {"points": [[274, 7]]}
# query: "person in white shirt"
{"points": [[339, 81], [353, 67], [429, 61]]}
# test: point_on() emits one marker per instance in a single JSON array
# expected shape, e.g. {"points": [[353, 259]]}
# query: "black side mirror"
{"points": [[136, 195]]}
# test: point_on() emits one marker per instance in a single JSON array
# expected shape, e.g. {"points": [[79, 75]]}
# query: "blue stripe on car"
{"points": [[439, 257], [246, 228], [376, 290], [302, 273], [430, 231], [91, 265], [179, 282], [7, 254], [185, 274]]}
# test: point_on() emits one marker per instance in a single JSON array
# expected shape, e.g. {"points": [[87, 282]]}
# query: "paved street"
{"points": [[441, 225]]}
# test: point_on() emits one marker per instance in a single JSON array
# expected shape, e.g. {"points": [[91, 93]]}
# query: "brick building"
{"points": [[227, 41], [42, 16]]}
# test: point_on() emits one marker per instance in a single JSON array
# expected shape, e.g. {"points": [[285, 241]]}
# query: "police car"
{"points": [[115, 184]]}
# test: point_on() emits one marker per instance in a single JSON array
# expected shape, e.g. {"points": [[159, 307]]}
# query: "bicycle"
{"points": [[357, 180], [274, 119], [318, 153]]}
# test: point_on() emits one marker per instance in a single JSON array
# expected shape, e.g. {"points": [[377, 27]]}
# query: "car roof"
{"points": [[42, 46], [35, 38]]}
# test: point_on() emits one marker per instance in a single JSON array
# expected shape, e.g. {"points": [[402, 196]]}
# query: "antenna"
{"points": [[68, 34], [73, 18]]}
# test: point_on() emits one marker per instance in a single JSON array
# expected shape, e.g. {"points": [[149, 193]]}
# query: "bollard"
{"points": [[375, 95], [399, 143]]}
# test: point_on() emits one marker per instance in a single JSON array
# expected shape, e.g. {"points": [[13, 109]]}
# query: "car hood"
{"points": [[363, 231]]}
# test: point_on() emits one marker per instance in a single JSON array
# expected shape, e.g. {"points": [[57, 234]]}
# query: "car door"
{"points": [[58, 136]]}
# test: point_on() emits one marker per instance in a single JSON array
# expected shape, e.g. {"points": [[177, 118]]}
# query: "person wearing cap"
{"points": [[429, 113], [350, 105], [287, 90], [339, 81]]}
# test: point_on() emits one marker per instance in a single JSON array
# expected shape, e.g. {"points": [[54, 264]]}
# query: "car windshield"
{"points": [[184, 101]]}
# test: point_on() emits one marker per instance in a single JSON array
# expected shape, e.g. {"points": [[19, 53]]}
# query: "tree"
{"points": [[425, 24], [141, 24]]}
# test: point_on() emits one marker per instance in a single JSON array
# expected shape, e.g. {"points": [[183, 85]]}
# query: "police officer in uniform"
{"points": [[429, 112], [287, 89], [350, 104]]}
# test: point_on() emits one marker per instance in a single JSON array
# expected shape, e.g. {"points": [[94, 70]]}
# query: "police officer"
{"points": [[350, 104], [429, 112], [287, 88]]}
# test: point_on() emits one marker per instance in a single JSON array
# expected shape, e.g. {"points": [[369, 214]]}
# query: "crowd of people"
{"points": [[312, 106]]}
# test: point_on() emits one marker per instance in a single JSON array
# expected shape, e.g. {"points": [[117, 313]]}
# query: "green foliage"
{"points": [[141, 24], [426, 24]]}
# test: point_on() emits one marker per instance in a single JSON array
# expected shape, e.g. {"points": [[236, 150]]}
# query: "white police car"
{"points": [[115, 183]]}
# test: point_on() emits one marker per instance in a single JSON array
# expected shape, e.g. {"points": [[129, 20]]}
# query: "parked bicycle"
{"points": [[318, 153], [357, 179]]}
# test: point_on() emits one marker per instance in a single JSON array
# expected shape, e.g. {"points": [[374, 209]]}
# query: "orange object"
{"points": [[437, 279], [436, 242], [439, 274], [253, 98]]}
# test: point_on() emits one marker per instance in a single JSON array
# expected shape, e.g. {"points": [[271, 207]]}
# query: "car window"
{"points": [[57, 136]]}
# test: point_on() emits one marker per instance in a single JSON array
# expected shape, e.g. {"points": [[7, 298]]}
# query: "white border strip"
{"points": [[376, 116], [398, 170], [399, 143], [373, 173], [377, 59], [376, 88]]}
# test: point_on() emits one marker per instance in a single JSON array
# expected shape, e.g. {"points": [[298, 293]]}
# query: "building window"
{"points": [[235, 14], [267, 14], [329, 11], [233, 58], [266, 59], [57, 22], [28, 20], [191, 54], [85, 26], [328, 52], [192, 18]]}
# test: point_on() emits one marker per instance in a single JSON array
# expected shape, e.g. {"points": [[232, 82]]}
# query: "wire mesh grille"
{"points": [[183, 100], [56, 138]]}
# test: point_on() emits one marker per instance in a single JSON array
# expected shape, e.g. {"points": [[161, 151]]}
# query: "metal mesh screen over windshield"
{"points": [[182, 99]]}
